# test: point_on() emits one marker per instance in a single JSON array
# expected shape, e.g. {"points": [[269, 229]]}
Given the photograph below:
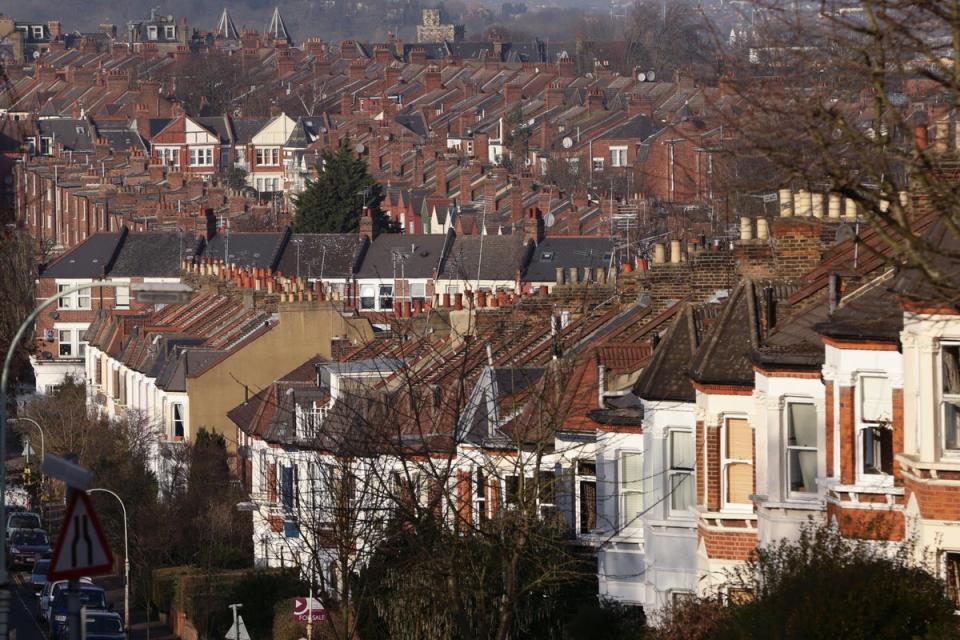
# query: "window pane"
{"points": [[588, 506], [739, 439], [418, 290], [123, 296], [681, 450], [739, 483], [803, 471], [632, 506], [802, 419], [682, 494], [631, 471], [951, 369], [877, 450], [951, 425], [875, 400]]}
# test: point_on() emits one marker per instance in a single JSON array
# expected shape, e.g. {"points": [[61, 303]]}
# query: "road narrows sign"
{"points": [[82, 549]]}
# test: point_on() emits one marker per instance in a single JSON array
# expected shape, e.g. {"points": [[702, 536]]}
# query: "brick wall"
{"points": [[868, 524], [848, 438], [797, 245], [828, 402], [935, 501], [728, 545], [897, 425], [713, 468]]}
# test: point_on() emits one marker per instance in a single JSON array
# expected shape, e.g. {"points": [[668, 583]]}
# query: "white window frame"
{"points": [[76, 301], [122, 300], [381, 296], [861, 426], [268, 156], [597, 163], [174, 420], [372, 290], [673, 471], [169, 32], [422, 287], [73, 333], [38, 32], [479, 481], [787, 448], [201, 156], [725, 462], [634, 521], [578, 478], [151, 32], [618, 156], [944, 399]]}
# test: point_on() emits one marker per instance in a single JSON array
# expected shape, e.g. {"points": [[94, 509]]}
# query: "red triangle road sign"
{"points": [[82, 549]]}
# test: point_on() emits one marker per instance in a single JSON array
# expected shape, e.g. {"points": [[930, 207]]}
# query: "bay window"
{"points": [[682, 487], [801, 448], [631, 488], [268, 156], [737, 463], [950, 387], [874, 411]]}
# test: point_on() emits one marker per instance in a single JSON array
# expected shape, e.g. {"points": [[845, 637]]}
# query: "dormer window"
{"points": [[38, 32], [170, 32], [151, 32]]}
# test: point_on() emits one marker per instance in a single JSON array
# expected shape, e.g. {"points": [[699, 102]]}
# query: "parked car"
{"points": [[22, 520], [100, 625], [38, 575], [50, 590], [91, 597], [27, 545]]}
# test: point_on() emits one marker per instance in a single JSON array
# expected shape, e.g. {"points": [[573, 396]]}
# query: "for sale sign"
{"points": [[308, 609]]}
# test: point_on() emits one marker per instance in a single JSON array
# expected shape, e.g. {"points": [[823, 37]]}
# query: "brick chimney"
{"points": [[382, 53], [418, 55], [595, 100], [481, 146], [533, 225], [321, 66], [553, 96], [369, 228], [346, 104], [358, 70], [490, 193], [440, 177], [511, 93], [314, 46], [566, 68], [432, 80], [639, 105]]}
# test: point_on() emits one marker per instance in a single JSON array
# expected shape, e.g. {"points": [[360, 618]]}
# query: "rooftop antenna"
{"points": [[483, 231]]}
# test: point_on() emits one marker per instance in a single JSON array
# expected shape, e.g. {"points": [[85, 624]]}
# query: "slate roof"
{"points": [[637, 128], [567, 252], [942, 257], [89, 259], [76, 135], [257, 250], [503, 257], [153, 255], [332, 255], [870, 313], [724, 356], [415, 256], [666, 375]]}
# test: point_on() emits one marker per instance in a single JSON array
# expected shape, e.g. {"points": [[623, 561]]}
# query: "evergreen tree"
{"points": [[333, 202]]}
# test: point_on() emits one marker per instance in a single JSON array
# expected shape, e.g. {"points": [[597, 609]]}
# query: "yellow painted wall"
{"points": [[303, 330]]}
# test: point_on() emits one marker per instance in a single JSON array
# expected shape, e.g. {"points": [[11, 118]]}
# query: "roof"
{"points": [[485, 257], [73, 134], [153, 255], [567, 252], [256, 250], [326, 255], [869, 313], [413, 256], [665, 377], [724, 356], [89, 259]]}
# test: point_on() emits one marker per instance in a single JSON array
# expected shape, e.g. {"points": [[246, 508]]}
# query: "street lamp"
{"points": [[126, 556], [150, 293]]}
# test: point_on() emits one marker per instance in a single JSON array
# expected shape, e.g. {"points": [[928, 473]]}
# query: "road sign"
{"points": [[238, 630], [82, 549], [305, 609]]}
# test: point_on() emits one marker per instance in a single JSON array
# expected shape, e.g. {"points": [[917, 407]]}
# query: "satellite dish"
{"points": [[36, 54], [549, 220], [360, 148], [567, 142], [641, 77], [651, 76], [844, 232]]}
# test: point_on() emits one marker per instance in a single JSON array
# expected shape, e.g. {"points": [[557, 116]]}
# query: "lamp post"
{"points": [[156, 293], [126, 556]]}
